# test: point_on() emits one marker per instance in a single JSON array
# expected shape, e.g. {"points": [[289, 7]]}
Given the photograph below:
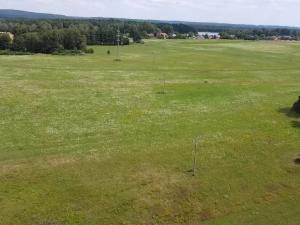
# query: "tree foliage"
{"points": [[96, 32], [5, 41], [48, 36], [50, 41], [296, 106], [262, 34]]}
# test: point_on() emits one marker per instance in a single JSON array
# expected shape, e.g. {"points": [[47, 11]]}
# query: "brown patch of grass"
{"points": [[293, 168], [50, 161], [58, 161], [207, 214], [168, 197], [273, 192], [269, 197], [43, 162], [6, 169]]}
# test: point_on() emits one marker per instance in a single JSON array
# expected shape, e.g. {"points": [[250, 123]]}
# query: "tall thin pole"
{"points": [[118, 45], [164, 84], [194, 157]]}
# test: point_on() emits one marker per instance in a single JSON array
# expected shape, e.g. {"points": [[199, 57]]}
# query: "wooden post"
{"points": [[164, 88], [194, 157]]}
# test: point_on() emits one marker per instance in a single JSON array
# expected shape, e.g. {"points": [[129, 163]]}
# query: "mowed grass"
{"points": [[88, 140]]}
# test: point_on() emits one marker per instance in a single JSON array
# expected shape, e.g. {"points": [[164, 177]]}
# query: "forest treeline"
{"points": [[263, 34], [49, 36]]}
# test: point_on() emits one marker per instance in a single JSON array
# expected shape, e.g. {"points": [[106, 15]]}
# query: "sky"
{"points": [[259, 12]]}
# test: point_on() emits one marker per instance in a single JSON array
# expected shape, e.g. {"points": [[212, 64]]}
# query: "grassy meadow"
{"points": [[86, 140]]}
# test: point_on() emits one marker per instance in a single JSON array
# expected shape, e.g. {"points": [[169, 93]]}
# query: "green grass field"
{"points": [[87, 140]]}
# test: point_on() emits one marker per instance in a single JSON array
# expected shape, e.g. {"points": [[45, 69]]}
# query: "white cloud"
{"points": [[280, 12]]}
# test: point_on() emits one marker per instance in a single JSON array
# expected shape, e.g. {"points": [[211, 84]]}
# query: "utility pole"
{"points": [[118, 45], [164, 84], [194, 156]]}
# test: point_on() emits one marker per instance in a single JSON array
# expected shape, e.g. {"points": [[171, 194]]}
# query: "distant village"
{"points": [[216, 35], [198, 35], [201, 35]]}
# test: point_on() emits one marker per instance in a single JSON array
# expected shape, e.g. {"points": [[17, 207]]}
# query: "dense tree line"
{"points": [[262, 34], [44, 42], [47, 36]]}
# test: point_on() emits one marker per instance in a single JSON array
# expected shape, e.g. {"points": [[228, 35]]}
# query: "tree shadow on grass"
{"points": [[289, 112], [296, 124]]}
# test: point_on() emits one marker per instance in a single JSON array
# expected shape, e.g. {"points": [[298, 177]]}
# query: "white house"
{"points": [[208, 35]]}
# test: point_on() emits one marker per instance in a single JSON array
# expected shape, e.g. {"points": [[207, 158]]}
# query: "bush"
{"points": [[125, 41], [89, 51], [68, 52], [9, 52]]}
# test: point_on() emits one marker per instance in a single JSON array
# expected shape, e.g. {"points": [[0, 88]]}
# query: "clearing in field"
{"points": [[87, 140]]}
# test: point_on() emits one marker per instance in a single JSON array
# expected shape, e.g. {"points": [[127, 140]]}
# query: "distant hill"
{"points": [[199, 26], [18, 14]]}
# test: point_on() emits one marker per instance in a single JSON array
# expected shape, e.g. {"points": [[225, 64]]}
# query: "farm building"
{"points": [[10, 35], [208, 35], [162, 35]]}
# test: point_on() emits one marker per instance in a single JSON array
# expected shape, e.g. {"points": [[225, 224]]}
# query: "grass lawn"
{"points": [[86, 140]]}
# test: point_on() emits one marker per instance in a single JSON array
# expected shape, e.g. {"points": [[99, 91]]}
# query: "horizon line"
{"points": [[145, 19]]}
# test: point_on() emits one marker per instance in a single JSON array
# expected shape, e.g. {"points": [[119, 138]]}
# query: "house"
{"points": [[208, 35], [10, 35], [286, 38], [162, 35]]}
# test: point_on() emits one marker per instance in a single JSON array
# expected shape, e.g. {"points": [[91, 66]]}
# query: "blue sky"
{"points": [[269, 12]]}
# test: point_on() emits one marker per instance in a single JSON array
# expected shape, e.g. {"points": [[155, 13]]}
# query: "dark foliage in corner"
{"points": [[296, 106]]}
